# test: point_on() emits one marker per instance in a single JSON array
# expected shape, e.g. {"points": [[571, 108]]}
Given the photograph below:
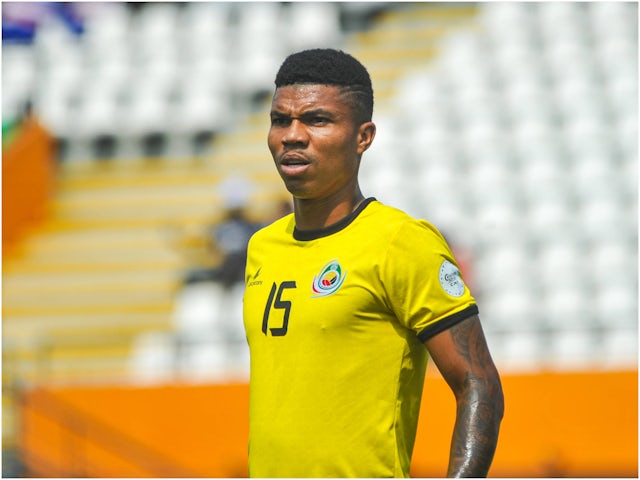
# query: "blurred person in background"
{"points": [[342, 297], [229, 237]]}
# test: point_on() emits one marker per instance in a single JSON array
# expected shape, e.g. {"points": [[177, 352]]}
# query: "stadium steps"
{"points": [[404, 39], [111, 243], [105, 265], [113, 247], [99, 271], [108, 261]]}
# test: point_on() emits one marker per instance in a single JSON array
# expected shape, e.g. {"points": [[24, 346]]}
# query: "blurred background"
{"points": [[135, 167]]}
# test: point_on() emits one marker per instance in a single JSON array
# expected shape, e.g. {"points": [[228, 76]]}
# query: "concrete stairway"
{"points": [[106, 265]]}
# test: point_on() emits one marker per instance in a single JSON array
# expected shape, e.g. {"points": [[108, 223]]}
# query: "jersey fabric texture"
{"points": [[335, 320]]}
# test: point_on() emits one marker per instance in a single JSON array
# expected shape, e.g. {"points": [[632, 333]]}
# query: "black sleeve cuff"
{"points": [[447, 322]]}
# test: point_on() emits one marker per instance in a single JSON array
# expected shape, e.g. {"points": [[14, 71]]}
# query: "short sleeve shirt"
{"points": [[335, 320]]}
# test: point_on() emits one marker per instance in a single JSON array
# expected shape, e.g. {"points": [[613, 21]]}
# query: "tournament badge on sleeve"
{"points": [[451, 279]]}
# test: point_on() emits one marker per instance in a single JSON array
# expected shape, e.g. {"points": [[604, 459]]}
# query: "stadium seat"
{"points": [[98, 112], [597, 174], [509, 308], [518, 351], [312, 25], [107, 33], [201, 361], [627, 140], [232, 318], [202, 106], [616, 304], [550, 218], [542, 169], [154, 27], [429, 144], [601, 218], [52, 102], [18, 79], [147, 110], [153, 358], [560, 262], [258, 50], [464, 61], [58, 79], [571, 349], [613, 258], [507, 22], [527, 102], [613, 20], [617, 56], [562, 22], [504, 264], [198, 310], [419, 94], [619, 347], [566, 305], [516, 61]]}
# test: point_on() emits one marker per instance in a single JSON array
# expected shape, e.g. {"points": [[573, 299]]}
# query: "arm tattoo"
{"points": [[480, 404]]}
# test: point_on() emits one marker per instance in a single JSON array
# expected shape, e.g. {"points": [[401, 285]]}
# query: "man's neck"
{"points": [[316, 214]]}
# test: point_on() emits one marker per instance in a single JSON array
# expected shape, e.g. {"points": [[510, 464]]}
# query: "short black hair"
{"points": [[326, 66]]}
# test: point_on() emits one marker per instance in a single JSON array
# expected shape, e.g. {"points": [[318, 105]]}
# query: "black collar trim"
{"points": [[306, 235]]}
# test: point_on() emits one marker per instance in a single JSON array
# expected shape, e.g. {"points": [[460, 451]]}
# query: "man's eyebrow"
{"points": [[316, 112], [306, 114]]}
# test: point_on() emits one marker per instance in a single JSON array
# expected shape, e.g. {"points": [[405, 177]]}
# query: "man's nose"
{"points": [[296, 133]]}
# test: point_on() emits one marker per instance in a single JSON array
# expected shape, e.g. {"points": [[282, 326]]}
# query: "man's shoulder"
{"points": [[277, 228], [394, 218], [402, 231], [382, 211]]}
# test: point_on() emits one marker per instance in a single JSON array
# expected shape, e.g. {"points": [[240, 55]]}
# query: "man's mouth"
{"points": [[291, 159], [292, 164]]}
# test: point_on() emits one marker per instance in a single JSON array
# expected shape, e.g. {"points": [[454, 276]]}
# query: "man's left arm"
{"points": [[462, 356]]}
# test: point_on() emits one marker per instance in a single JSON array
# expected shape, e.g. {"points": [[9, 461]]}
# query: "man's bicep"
{"points": [[461, 352]]}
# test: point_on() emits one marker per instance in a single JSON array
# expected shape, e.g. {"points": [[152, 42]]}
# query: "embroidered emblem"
{"points": [[329, 279]]}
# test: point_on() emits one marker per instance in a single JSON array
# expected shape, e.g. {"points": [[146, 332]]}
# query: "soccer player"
{"points": [[342, 297]]}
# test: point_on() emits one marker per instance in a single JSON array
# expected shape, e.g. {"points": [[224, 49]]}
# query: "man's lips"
{"points": [[293, 164]]}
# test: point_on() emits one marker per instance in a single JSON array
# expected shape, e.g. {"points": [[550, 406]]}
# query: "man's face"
{"points": [[315, 142]]}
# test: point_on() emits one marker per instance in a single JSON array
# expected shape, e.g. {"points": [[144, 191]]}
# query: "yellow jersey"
{"points": [[335, 320]]}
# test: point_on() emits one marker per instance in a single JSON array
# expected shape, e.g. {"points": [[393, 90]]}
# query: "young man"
{"points": [[343, 295]]}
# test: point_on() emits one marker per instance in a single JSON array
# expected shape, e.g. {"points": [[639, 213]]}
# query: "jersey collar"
{"points": [[306, 235]]}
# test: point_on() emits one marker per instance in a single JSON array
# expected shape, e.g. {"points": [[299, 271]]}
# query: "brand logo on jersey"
{"points": [[450, 279], [253, 280], [329, 279]]}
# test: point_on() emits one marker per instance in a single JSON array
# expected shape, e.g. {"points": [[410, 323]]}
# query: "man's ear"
{"points": [[366, 134]]}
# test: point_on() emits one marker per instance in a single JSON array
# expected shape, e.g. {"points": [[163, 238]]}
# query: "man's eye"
{"points": [[319, 121], [279, 121]]}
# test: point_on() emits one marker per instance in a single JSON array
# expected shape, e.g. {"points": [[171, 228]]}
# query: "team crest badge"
{"points": [[329, 279]]}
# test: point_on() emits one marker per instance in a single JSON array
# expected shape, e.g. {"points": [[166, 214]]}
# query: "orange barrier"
{"points": [[27, 173], [555, 425]]}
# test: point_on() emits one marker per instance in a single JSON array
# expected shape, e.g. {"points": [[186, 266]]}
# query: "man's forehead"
{"points": [[305, 95]]}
